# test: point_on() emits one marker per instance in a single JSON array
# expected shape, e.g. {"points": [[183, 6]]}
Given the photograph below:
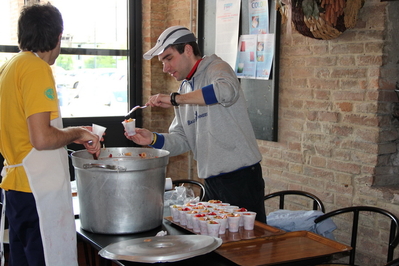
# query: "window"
{"points": [[92, 71]]}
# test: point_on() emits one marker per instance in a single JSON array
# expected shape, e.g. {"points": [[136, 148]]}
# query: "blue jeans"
{"points": [[244, 188], [26, 247]]}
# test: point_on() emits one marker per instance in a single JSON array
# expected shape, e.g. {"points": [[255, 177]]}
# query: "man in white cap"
{"points": [[211, 120]]}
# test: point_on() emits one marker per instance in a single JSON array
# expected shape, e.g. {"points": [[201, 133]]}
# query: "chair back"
{"points": [[317, 203], [394, 262], [393, 232], [193, 182]]}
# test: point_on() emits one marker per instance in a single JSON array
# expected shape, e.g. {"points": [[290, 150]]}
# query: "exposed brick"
{"points": [[360, 120], [345, 167], [341, 130], [345, 106], [348, 96], [347, 48], [321, 95], [318, 161], [339, 188], [348, 60], [328, 116]]}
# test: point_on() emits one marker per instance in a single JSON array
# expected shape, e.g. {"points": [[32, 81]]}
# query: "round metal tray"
{"points": [[161, 248]]}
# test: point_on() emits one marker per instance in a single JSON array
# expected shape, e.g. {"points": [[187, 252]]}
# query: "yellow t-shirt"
{"points": [[27, 87]]}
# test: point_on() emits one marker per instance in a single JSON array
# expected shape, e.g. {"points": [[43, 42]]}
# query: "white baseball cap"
{"points": [[172, 35]]}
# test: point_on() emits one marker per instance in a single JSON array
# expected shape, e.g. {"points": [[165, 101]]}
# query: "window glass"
{"points": [[91, 71], [94, 24]]}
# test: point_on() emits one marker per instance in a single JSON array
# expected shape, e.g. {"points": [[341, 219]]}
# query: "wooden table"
{"points": [[295, 248]]}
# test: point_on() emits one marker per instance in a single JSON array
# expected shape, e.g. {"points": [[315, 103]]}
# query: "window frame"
{"points": [[134, 73]]}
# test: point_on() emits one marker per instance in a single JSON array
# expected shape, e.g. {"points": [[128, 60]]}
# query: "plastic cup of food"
{"points": [[213, 228], [182, 215], [234, 222], [203, 225], [241, 210], [231, 208], [223, 223], [196, 223], [174, 210], [212, 214], [189, 218], [130, 126], [249, 220]]}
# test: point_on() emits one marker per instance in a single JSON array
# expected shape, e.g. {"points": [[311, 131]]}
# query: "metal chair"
{"points": [[192, 182], [394, 262], [317, 203], [393, 235]]}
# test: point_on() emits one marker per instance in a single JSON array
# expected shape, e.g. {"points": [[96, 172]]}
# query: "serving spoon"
{"points": [[135, 108]]}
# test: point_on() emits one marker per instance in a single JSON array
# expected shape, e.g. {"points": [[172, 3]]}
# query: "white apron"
{"points": [[49, 179]]}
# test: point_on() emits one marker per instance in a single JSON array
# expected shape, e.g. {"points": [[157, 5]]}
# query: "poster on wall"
{"points": [[258, 16], [255, 56], [264, 55], [226, 32], [246, 64]]}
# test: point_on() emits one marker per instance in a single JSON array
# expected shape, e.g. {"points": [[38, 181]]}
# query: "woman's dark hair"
{"points": [[39, 27], [180, 48]]}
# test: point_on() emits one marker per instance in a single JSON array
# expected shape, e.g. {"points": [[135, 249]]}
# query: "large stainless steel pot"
{"points": [[122, 192]]}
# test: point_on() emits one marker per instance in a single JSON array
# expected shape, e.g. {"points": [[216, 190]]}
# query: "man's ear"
{"points": [[188, 49]]}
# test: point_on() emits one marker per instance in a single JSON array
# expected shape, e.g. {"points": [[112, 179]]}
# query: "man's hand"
{"points": [[142, 137], [160, 100]]}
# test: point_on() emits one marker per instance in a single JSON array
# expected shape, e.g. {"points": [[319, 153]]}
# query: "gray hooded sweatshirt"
{"points": [[219, 134]]}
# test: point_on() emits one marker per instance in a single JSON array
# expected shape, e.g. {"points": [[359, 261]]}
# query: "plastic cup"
{"points": [[203, 225], [168, 183], [231, 208], [182, 216], [213, 228], [223, 224], [189, 218], [241, 211], [130, 127], [196, 225], [98, 130], [234, 222], [249, 220], [174, 210]]}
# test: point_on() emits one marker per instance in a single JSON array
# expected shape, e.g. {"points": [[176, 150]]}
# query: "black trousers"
{"points": [[26, 247], [243, 188]]}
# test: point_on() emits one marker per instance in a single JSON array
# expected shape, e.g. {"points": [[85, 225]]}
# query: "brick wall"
{"points": [[157, 16], [337, 137]]}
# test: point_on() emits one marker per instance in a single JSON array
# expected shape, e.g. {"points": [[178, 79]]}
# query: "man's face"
{"points": [[177, 65]]}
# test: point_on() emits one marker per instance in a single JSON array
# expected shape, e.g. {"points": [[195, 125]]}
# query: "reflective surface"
{"points": [[161, 249]]}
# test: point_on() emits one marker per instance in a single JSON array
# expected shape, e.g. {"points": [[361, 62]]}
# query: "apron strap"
{"points": [[5, 167], [2, 224]]}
